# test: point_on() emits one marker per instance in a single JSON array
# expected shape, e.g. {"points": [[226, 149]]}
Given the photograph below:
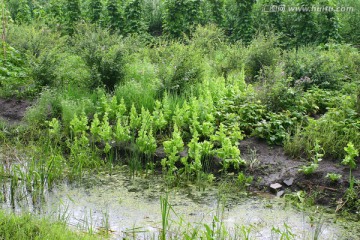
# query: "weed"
{"points": [[333, 177]]}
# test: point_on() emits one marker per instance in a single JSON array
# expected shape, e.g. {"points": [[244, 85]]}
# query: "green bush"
{"points": [[141, 83], [40, 46], [314, 67], [179, 67], [275, 127], [15, 77], [103, 54], [333, 130], [153, 11], [72, 71], [262, 52]]}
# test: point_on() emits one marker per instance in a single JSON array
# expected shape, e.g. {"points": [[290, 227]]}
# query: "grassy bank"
{"points": [[27, 226]]}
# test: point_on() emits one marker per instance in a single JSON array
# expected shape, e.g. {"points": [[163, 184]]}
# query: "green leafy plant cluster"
{"points": [[318, 153]]}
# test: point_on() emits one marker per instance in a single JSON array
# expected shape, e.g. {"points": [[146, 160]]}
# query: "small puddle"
{"points": [[128, 206]]}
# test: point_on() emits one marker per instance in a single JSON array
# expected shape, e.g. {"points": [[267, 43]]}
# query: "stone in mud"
{"points": [[160, 153], [289, 182], [275, 186], [280, 193]]}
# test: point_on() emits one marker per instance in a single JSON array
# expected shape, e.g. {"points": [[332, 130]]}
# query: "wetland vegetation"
{"points": [[222, 97]]}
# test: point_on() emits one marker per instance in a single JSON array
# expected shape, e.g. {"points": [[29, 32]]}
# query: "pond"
{"points": [[130, 206]]}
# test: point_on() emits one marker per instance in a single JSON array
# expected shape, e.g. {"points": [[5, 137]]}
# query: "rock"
{"points": [[275, 186], [280, 193], [184, 153], [160, 153], [289, 182]]}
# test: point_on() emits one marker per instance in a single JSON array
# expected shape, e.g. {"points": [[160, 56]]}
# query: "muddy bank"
{"points": [[270, 165], [13, 110]]}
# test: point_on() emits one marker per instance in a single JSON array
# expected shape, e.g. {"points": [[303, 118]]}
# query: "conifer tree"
{"points": [[95, 9], [73, 14]]}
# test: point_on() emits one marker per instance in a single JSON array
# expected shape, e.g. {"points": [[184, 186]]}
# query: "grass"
{"points": [[26, 226]]}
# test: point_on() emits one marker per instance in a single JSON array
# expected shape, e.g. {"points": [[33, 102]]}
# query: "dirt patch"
{"points": [[269, 165], [13, 110]]}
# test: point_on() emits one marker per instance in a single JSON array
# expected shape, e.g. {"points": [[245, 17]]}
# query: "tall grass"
{"points": [[26, 226]]}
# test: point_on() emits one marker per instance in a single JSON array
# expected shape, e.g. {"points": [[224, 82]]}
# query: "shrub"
{"points": [[103, 53], [140, 84], [334, 130], [179, 67], [71, 71], [15, 77], [40, 45], [208, 38], [262, 52], [313, 67], [275, 127]]}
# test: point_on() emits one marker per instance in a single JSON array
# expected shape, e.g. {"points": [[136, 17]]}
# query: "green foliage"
{"points": [[73, 13], [349, 21], [15, 77], [262, 52], [176, 144], [304, 28], [95, 10], [333, 130], [310, 169], [114, 16], [140, 84], [40, 47], [23, 12], [181, 16], [172, 148], [79, 125], [133, 15], [238, 20], [146, 142], [309, 67], [351, 153], [250, 115], [275, 127], [153, 14], [317, 154], [179, 71], [103, 54], [70, 71], [328, 23], [333, 177], [217, 11], [243, 181], [27, 226]]}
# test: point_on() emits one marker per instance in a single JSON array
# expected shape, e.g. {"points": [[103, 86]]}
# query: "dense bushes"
{"points": [[197, 84], [241, 20]]}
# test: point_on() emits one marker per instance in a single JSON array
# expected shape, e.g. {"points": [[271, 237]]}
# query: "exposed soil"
{"points": [[13, 110], [269, 165]]}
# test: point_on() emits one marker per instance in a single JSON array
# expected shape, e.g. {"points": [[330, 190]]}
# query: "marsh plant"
{"points": [[351, 194], [333, 177], [318, 153]]}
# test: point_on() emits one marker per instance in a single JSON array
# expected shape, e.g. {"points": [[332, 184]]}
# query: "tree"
{"points": [[181, 16], [95, 9], [238, 22], [216, 7], [134, 21], [328, 22], [73, 14], [115, 20]]}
